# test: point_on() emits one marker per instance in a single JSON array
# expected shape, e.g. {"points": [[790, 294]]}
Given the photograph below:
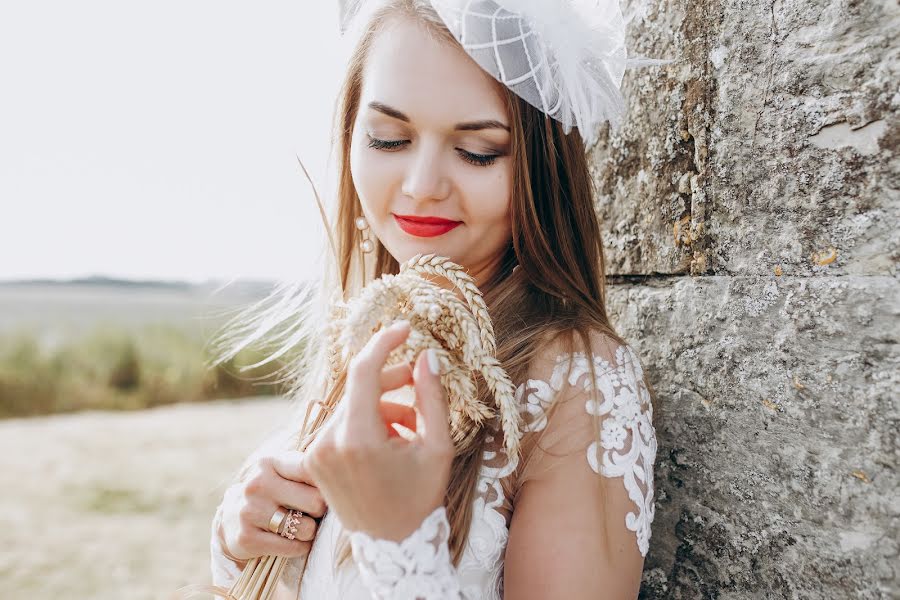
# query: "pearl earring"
{"points": [[366, 244]]}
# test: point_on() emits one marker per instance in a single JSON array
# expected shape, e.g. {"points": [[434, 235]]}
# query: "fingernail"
{"points": [[433, 363], [400, 324]]}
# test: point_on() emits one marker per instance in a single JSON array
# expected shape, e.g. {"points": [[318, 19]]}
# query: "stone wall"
{"points": [[751, 211], [750, 206]]}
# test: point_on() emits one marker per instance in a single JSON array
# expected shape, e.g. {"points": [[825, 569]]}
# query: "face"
{"points": [[431, 142]]}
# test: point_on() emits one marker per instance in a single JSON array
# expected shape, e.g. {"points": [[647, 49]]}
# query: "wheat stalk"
{"points": [[460, 332]]}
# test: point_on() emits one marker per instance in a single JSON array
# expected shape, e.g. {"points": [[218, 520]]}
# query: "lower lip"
{"points": [[424, 229]]}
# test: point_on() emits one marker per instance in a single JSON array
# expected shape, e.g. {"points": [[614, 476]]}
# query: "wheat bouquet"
{"points": [[461, 333]]}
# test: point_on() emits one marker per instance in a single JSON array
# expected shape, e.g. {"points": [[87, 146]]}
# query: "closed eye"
{"points": [[481, 160]]}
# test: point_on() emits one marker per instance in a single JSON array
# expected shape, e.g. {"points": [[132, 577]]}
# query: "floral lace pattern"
{"points": [[481, 565], [629, 416], [416, 568]]}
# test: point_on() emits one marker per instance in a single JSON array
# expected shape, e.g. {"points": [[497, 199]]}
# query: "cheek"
{"points": [[489, 202], [372, 180]]}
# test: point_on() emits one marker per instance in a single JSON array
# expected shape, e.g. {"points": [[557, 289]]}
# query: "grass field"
{"points": [[117, 505], [115, 345]]}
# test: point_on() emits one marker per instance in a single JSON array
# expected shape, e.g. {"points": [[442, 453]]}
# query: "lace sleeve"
{"points": [[417, 568], [626, 447], [623, 446]]}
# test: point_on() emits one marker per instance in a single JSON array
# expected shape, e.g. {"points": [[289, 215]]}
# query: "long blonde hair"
{"points": [[558, 293]]}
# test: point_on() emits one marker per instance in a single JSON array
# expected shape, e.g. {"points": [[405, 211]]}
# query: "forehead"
{"points": [[427, 78]]}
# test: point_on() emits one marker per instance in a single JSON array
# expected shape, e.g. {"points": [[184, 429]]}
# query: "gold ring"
{"points": [[276, 520], [290, 529]]}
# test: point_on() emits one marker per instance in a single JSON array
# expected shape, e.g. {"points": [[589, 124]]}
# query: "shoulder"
{"points": [[569, 362], [574, 386]]}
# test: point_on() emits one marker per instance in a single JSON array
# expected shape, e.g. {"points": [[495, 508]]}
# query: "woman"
{"points": [[441, 154]]}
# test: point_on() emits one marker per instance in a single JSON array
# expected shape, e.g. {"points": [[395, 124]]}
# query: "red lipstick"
{"points": [[425, 226]]}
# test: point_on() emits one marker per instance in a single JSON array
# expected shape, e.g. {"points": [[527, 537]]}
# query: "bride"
{"points": [[461, 131]]}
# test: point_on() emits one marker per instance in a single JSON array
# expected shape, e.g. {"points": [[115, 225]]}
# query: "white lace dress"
{"points": [[420, 566]]}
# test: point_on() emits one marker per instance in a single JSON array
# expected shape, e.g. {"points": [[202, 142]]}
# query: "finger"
{"points": [[306, 529], [364, 382], [371, 358], [289, 464], [393, 412], [393, 433], [396, 376], [265, 543], [431, 400], [298, 496]]}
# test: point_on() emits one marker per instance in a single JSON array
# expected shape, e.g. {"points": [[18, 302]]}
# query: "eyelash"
{"points": [[479, 160]]}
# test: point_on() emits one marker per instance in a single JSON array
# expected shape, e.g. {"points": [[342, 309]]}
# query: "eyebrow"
{"points": [[469, 126]]}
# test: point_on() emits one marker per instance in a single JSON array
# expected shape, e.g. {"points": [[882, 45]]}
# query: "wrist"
{"points": [[402, 530]]}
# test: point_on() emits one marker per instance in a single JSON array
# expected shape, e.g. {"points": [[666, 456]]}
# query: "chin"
{"points": [[410, 247], [424, 248]]}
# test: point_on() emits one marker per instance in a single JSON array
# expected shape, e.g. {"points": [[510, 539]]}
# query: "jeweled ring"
{"points": [[277, 519], [290, 527]]}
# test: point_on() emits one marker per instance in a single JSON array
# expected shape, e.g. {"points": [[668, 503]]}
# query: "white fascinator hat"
{"points": [[567, 58]]}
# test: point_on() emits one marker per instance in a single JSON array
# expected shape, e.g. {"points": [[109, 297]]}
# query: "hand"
{"points": [[278, 480], [382, 485]]}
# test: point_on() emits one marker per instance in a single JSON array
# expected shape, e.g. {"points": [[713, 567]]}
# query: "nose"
{"points": [[425, 178]]}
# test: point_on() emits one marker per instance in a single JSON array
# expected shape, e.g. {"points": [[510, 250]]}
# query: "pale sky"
{"points": [[158, 139]]}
